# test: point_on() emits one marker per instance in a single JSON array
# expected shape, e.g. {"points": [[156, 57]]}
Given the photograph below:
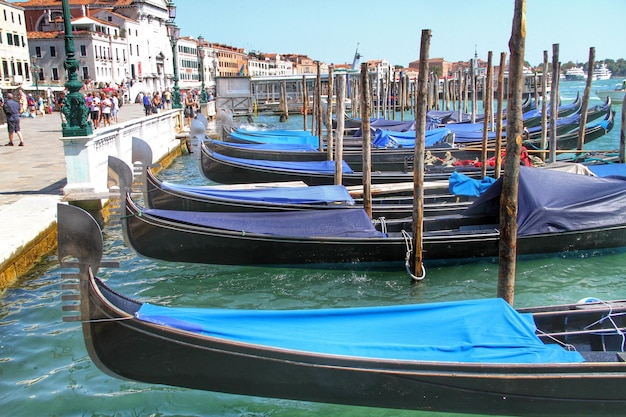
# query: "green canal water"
{"points": [[45, 369]]}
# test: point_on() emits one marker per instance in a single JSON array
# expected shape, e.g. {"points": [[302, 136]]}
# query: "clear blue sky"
{"points": [[329, 30]]}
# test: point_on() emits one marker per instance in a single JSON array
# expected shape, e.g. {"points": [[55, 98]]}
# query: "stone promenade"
{"points": [[32, 178]]}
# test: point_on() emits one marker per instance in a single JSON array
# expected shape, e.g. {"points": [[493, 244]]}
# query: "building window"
{"points": [[55, 74], [53, 52], [83, 50], [41, 78], [5, 69], [85, 73], [38, 51], [10, 38], [23, 41], [16, 39]]}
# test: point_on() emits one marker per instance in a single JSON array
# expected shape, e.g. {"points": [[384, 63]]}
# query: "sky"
{"points": [[330, 30]]}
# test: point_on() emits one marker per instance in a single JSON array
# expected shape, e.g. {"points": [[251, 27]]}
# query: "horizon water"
{"points": [[45, 369]]}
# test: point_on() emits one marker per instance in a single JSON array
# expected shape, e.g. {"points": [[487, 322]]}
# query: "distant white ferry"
{"points": [[575, 74], [601, 72]]}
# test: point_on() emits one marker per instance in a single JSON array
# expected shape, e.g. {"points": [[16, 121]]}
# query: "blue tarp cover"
{"points": [[391, 139], [300, 147], [320, 167], [553, 201], [331, 223], [322, 194], [479, 331], [607, 170], [281, 138], [274, 132], [461, 184]]}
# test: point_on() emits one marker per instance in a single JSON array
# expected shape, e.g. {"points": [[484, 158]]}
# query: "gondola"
{"points": [[475, 356], [169, 196], [567, 213], [566, 129], [390, 150], [228, 170], [593, 130]]}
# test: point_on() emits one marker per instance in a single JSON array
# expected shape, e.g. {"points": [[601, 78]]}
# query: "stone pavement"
{"points": [[32, 178]]}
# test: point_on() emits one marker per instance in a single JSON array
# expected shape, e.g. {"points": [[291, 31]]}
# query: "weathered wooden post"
{"points": [[329, 116], [498, 155], [583, 111], [554, 100], [487, 104], [544, 106], [622, 137], [366, 142], [341, 119], [474, 92], [514, 129], [318, 113], [418, 271], [305, 103], [284, 109]]}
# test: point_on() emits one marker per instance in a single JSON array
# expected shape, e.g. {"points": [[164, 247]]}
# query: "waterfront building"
{"points": [[233, 61], [15, 69], [118, 42]]}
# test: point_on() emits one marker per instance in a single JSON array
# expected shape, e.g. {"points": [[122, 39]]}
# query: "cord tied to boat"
{"points": [[408, 240]]}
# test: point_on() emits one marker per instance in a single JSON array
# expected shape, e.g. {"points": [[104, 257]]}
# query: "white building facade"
{"points": [[15, 68]]}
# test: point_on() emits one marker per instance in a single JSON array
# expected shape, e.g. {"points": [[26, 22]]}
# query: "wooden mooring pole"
{"points": [[418, 271], [487, 104], [498, 167], [341, 117], [329, 116], [366, 144], [514, 129], [585, 105]]}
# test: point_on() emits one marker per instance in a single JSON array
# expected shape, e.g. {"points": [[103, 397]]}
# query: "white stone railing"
{"points": [[86, 157]]}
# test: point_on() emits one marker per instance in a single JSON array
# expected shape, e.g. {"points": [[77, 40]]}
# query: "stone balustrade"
{"points": [[86, 157]]}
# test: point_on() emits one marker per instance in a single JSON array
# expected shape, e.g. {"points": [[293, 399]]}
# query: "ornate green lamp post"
{"points": [[35, 70], [202, 53], [74, 107], [173, 32]]}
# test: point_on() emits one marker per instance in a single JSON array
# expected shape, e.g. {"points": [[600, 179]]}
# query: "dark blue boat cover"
{"points": [[552, 201], [478, 331], [293, 147], [391, 139], [319, 167], [321, 194], [331, 223], [461, 184]]}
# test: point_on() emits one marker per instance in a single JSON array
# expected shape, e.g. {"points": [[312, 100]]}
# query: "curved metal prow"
{"points": [[119, 175], [142, 162], [197, 134], [79, 236], [200, 117], [141, 152]]}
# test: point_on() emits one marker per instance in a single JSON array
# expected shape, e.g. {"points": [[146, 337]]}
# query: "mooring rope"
{"points": [[408, 241]]}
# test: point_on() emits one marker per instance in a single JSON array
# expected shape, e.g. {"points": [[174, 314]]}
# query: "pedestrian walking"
{"points": [[106, 106], [147, 105], [190, 103], [12, 110], [115, 108], [95, 111]]}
